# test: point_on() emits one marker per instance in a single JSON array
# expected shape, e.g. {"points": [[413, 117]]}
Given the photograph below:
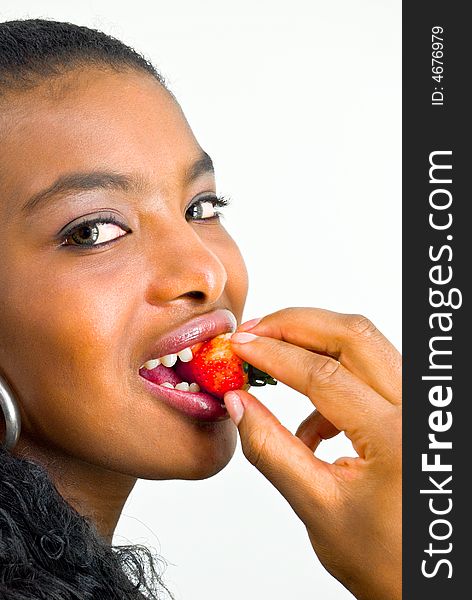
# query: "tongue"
{"points": [[161, 374], [184, 371]]}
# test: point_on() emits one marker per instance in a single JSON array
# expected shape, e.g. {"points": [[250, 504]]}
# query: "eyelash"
{"points": [[216, 201]]}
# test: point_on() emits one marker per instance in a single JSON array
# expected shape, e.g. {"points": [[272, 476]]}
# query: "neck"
{"points": [[93, 491]]}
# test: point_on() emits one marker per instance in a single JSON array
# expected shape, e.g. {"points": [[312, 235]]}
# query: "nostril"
{"points": [[197, 295]]}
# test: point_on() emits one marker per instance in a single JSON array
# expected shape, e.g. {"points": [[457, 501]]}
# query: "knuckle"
{"points": [[389, 453], [256, 447], [284, 313], [361, 327], [321, 371], [395, 430], [275, 350]]}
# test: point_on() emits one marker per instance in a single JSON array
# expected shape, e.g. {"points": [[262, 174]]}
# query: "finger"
{"points": [[302, 478], [352, 339], [314, 429], [349, 403]]}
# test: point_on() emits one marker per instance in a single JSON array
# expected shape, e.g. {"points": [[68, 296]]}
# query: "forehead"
{"points": [[88, 120]]}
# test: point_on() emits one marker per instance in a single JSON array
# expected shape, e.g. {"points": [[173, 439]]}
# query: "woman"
{"points": [[112, 255]]}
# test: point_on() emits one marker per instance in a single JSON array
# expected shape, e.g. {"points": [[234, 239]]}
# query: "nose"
{"points": [[185, 267]]}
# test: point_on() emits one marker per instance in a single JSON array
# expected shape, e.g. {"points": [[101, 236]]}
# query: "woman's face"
{"points": [[76, 321]]}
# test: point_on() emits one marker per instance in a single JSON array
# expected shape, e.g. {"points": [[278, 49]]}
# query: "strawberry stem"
{"points": [[256, 377]]}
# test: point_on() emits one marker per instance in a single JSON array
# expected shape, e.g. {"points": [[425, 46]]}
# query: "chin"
{"points": [[208, 459], [199, 458], [206, 470]]}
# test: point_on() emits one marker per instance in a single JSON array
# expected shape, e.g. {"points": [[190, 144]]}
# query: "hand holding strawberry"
{"points": [[352, 374]]}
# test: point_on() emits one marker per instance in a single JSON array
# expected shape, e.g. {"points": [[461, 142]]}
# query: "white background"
{"points": [[298, 103]]}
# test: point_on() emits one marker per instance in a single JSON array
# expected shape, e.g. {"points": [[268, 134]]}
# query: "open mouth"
{"points": [[169, 385], [169, 372], [167, 376]]}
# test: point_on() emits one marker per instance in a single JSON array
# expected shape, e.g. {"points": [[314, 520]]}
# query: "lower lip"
{"points": [[199, 406]]}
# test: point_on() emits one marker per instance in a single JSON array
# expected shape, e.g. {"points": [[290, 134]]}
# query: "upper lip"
{"points": [[198, 329]]}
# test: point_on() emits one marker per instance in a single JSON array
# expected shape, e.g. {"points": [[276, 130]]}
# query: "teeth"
{"points": [[169, 360], [183, 386], [151, 364], [187, 387], [185, 355]]}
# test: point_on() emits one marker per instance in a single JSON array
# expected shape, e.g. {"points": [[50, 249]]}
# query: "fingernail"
{"points": [[243, 338], [234, 406], [249, 324]]}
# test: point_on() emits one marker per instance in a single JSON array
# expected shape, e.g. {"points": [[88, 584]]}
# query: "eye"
{"points": [[204, 208], [94, 232]]}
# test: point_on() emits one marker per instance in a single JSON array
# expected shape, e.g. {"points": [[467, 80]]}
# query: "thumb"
{"points": [[302, 478]]}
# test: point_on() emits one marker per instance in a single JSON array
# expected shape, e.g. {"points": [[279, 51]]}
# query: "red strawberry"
{"points": [[217, 369]]}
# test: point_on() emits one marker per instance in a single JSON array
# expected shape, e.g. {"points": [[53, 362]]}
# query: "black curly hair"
{"points": [[48, 551]]}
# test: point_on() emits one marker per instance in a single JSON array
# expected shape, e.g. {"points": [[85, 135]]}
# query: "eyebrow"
{"points": [[93, 180], [202, 165]]}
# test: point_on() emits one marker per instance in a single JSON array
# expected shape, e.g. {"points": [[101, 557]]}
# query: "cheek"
{"points": [[60, 326], [75, 317]]}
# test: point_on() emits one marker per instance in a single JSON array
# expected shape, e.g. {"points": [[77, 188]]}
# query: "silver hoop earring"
{"points": [[11, 414]]}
